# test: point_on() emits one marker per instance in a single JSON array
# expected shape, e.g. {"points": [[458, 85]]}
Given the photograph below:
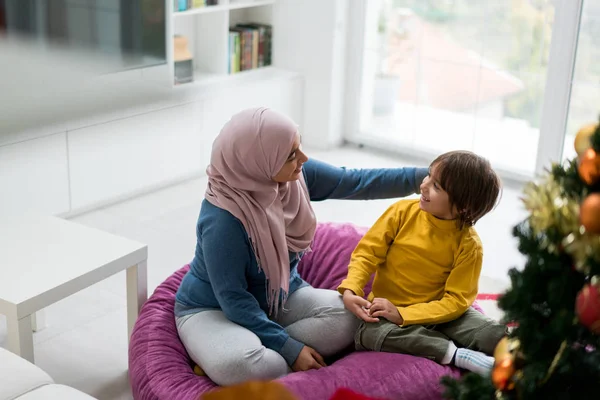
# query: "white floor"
{"points": [[84, 344]]}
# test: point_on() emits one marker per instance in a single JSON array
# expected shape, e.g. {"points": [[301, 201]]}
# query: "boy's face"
{"points": [[434, 199]]}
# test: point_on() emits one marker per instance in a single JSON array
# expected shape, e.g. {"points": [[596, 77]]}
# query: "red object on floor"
{"points": [[347, 394], [488, 296]]}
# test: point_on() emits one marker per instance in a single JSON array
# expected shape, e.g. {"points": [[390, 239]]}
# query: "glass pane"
{"points": [[394, 103], [584, 107], [591, 8], [518, 34], [447, 98], [451, 30], [457, 74], [507, 131]]}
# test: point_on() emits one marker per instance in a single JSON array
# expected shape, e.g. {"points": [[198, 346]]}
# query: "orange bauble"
{"points": [[589, 213], [588, 307], [502, 374], [252, 390], [589, 167], [583, 138]]}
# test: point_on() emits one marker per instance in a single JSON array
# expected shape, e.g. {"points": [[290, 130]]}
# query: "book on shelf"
{"points": [[183, 60], [255, 46], [234, 51], [184, 5]]}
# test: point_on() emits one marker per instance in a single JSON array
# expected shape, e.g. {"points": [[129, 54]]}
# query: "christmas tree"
{"points": [[554, 301]]}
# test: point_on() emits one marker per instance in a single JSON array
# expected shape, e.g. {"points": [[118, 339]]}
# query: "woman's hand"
{"points": [[308, 358], [384, 308], [357, 306]]}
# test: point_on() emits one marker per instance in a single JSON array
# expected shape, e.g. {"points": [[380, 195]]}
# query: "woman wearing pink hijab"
{"points": [[243, 312]]}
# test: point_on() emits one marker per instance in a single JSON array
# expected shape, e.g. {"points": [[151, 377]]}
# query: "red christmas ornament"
{"points": [[588, 307]]}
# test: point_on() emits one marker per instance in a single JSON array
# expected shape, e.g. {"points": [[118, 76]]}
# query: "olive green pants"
{"points": [[472, 330]]}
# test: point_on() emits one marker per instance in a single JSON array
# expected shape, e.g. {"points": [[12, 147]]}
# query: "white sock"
{"points": [[449, 354], [475, 361]]}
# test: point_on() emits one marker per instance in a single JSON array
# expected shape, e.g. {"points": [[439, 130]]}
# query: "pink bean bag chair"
{"points": [[160, 368]]}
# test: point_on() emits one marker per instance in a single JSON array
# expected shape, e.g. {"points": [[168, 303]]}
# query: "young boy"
{"points": [[427, 258]]}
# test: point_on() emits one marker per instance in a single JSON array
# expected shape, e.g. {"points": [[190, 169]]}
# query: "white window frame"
{"points": [[557, 95], [555, 109]]}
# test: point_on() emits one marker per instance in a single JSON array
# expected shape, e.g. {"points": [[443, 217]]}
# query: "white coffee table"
{"points": [[44, 259]]}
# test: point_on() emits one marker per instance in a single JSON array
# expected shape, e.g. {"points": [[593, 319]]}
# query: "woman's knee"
{"points": [[235, 367], [234, 355], [339, 334]]}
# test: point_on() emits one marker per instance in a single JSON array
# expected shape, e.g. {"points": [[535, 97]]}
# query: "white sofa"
{"points": [[20, 379]]}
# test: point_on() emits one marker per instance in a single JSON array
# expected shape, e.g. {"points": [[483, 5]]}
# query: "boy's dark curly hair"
{"points": [[472, 185]]}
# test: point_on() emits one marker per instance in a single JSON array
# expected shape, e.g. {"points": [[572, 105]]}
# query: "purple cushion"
{"points": [[327, 264], [159, 367]]}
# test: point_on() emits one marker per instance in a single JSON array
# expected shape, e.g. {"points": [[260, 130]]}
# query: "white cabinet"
{"points": [[107, 160], [130, 137], [34, 176], [122, 157], [116, 159]]}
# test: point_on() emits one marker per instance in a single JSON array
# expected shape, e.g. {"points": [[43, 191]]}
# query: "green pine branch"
{"points": [[541, 300], [471, 387], [567, 177]]}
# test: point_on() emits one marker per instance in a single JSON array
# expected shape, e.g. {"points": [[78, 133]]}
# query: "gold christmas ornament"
{"points": [[549, 207], [508, 361], [581, 246], [582, 139], [502, 349]]}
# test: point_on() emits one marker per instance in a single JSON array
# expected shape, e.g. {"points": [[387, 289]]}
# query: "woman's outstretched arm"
{"points": [[326, 181]]}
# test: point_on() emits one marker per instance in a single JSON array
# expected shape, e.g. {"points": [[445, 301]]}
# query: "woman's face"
{"points": [[292, 168]]}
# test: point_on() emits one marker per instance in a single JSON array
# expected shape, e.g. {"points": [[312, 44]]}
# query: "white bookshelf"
{"points": [[224, 6], [207, 33]]}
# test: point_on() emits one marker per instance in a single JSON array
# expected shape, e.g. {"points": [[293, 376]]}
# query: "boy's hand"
{"points": [[384, 308], [358, 306]]}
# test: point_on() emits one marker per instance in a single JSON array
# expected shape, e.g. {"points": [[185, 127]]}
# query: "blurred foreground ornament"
{"points": [[589, 167], [507, 365]]}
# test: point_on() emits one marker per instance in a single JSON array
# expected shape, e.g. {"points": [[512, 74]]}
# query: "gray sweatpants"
{"points": [[229, 353]]}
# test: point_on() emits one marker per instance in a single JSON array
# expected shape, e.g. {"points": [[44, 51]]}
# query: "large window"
{"points": [[438, 75], [584, 104]]}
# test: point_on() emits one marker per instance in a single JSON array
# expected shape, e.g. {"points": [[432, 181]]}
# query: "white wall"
{"points": [[119, 136], [127, 138], [310, 37]]}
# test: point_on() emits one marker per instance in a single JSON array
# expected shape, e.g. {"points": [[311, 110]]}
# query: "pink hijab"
{"points": [[250, 149]]}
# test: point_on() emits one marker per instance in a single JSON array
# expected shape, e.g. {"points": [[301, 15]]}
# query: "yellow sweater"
{"points": [[425, 266]]}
